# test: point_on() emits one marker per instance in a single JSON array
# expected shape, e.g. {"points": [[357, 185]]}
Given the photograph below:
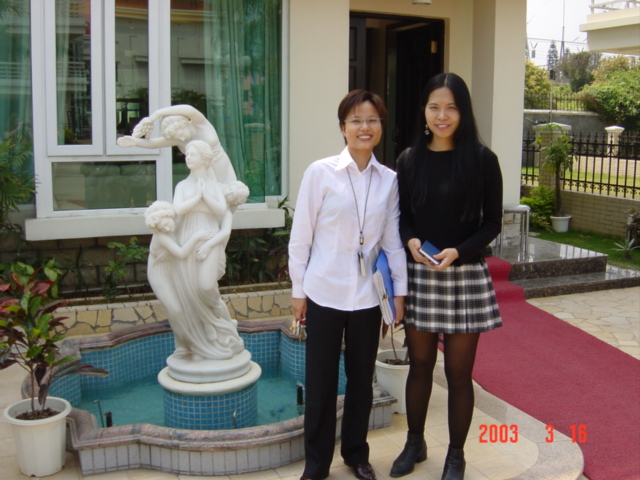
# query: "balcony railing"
{"points": [[599, 7]]}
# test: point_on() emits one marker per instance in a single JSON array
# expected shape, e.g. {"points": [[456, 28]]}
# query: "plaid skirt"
{"points": [[454, 300]]}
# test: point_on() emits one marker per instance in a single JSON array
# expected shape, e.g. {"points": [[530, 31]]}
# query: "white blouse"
{"points": [[325, 237]]}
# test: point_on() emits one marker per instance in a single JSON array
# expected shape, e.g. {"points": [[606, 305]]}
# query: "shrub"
{"points": [[542, 203], [536, 84], [616, 98]]}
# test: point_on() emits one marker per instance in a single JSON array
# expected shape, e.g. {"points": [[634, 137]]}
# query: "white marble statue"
{"points": [[179, 125], [187, 251]]}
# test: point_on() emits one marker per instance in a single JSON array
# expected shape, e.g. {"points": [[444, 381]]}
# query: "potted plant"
{"points": [[558, 160], [29, 337]]}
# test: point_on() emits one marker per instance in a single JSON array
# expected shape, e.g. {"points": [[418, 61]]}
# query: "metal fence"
{"points": [[571, 102], [599, 165]]}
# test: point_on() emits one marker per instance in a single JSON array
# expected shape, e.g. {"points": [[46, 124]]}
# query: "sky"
{"points": [[545, 22]]}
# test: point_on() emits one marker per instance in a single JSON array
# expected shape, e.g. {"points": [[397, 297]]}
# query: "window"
{"points": [[102, 65], [226, 61], [16, 157]]}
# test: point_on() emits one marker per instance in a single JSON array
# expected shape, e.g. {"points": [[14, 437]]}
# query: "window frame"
{"points": [[50, 223]]}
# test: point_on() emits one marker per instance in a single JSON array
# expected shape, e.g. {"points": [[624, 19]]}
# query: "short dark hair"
{"points": [[358, 97]]}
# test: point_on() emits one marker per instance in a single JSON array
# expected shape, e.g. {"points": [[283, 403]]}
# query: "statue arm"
{"points": [[219, 238], [130, 141], [182, 205], [188, 111], [182, 251], [215, 200]]}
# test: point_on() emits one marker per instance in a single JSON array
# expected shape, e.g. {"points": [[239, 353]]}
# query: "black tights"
{"points": [[459, 356]]}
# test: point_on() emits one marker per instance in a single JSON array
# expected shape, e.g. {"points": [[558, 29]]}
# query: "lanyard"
{"points": [[363, 271]]}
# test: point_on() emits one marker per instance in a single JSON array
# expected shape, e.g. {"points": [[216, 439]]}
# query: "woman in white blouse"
{"points": [[347, 211]]}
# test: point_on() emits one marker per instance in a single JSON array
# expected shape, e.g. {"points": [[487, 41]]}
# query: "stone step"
{"points": [[591, 262], [611, 277]]}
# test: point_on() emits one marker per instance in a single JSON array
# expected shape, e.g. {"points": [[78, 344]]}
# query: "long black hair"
{"points": [[466, 140]]}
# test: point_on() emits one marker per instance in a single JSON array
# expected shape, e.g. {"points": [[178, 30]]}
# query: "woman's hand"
{"points": [[446, 257], [299, 307], [414, 247], [398, 303]]}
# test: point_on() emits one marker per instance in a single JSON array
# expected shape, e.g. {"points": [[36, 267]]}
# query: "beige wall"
{"points": [[318, 64], [484, 42], [498, 84]]}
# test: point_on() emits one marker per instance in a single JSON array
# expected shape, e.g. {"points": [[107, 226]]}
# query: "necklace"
{"points": [[363, 270]]}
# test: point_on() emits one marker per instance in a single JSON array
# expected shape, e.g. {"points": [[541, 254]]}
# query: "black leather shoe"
{"points": [[364, 471], [454, 464], [415, 451]]}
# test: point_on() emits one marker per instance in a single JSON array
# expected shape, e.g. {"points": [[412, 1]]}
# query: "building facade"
{"points": [[75, 75]]}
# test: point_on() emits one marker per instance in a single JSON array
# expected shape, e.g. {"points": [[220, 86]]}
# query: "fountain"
{"points": [[138, 351], [210, 380]]}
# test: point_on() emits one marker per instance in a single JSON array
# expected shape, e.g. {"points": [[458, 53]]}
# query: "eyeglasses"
{"points": [[371, 121]]}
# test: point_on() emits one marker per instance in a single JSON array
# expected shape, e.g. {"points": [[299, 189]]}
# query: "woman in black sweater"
{"points": [[451, 196]]}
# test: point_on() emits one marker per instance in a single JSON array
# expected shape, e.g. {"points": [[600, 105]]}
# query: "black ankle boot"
{"points": [[454, 465], [415, 451]]}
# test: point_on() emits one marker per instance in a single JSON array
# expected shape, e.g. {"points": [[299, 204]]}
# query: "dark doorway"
{"points": [[394, 57]]}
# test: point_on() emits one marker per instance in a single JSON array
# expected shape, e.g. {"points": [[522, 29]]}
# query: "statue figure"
{"points": [[160, 218], [179, 125], [187, 251]]}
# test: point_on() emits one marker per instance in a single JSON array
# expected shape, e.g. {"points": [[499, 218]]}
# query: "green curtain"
{"points": [[242, 47], [15, 85]]}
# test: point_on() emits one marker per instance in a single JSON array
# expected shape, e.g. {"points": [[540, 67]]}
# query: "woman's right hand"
{"points": [[414, 247], [299, 307]]}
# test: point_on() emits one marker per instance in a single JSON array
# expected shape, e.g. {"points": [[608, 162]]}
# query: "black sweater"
{"points": [[438, 216]]}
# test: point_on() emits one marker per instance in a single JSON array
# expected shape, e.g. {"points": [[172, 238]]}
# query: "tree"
{"points": [[610, 65], [552, 57], [615, 99], [536, 84], [579, 68]]}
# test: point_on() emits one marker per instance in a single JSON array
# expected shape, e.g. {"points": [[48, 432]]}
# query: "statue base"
{"points": [[227, 404], [185, 369]]}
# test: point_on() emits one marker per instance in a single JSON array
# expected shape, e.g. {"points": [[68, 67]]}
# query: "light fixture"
{"points": [[421, 2]]}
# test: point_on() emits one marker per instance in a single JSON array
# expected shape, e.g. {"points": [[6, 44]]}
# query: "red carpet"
{"points": [[563, 377]]}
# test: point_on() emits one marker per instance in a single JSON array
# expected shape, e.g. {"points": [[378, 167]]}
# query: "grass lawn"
{"points": [[595, 242]]}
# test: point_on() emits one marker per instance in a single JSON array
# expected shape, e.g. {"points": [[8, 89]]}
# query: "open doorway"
{"points": [[394, 57]]}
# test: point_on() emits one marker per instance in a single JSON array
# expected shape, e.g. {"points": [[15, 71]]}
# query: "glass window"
{"points": [[94, 185], [16, 148], [226, 62], [73, 71], [131, 63]]}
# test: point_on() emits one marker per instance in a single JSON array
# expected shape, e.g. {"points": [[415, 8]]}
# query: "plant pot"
{"points": [[393, 378], [40, 444], [560, 224]]}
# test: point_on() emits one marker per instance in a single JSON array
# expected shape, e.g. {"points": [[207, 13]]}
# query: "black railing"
{"points": [[571, 102], [599, 166]]}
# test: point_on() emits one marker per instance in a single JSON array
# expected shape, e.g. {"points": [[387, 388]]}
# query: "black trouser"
{"points": [[325, 329]]}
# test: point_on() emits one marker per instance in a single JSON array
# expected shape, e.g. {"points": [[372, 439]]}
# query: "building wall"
{"points": [[318, 80], [581, 122], [483, 44]]}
